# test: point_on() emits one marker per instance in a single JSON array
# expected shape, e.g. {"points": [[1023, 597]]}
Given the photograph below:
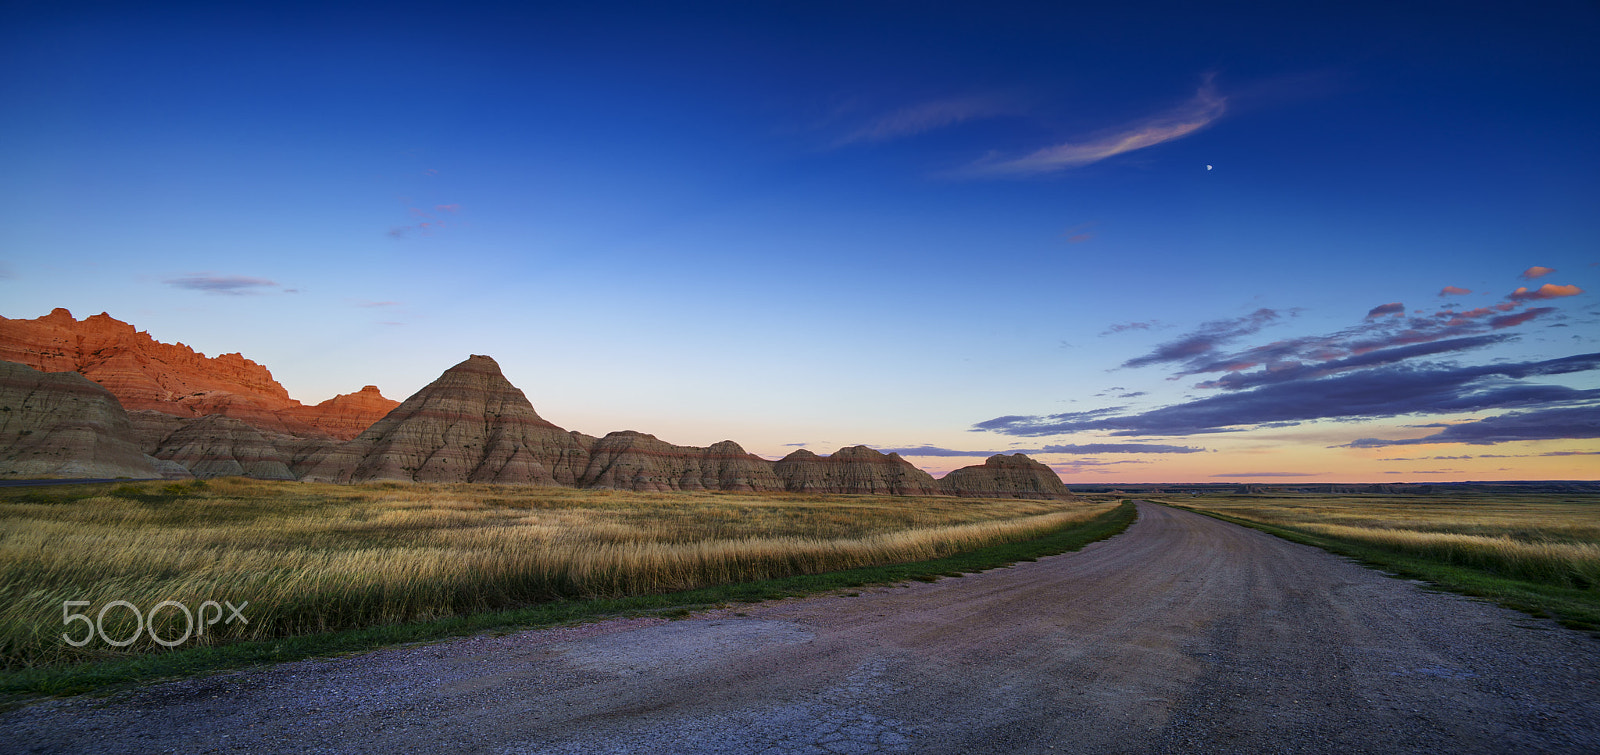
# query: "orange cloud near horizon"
{"points": [[1547, 291]]}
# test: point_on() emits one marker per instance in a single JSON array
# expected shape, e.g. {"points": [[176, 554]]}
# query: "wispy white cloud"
{"points": [[927, 116], [1198, 112]]}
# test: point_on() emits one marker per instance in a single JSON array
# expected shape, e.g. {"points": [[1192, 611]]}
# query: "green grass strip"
{"points": [[1572, 607], [105, 676]]}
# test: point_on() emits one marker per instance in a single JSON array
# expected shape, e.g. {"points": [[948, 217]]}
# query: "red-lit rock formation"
{"points": [[145, 374], [470, 425], [346, 415], [629, 460], [857, 469], [1001, 476], [65, 426]]}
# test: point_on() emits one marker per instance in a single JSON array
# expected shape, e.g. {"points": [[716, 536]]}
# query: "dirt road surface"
{"points": [[1183, 634]]}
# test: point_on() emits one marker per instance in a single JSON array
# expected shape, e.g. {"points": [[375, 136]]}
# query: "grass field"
{"points": [[313, 558], [1536, 552]]}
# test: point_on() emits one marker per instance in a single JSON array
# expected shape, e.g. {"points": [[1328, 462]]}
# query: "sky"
{"points": [[1142, 242]]}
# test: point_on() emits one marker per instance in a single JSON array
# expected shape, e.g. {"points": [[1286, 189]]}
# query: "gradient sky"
{"points": [[1142, 241]]}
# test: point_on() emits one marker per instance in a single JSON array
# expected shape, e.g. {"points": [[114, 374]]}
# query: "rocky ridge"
{"points": [[629, 460], [856, 469], [145, 374], [473, 425]]}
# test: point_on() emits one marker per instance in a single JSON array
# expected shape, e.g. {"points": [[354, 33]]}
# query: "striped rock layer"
{"points": [[62, 425], [1001, 476], [218, 446], [856, 469], [470, 425], [629, 460]]}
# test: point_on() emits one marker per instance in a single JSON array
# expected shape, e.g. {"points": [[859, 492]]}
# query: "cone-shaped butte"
{"points": [[470, 425]]}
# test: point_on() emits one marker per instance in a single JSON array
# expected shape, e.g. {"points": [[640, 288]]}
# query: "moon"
{"points": [[1208, 167]]}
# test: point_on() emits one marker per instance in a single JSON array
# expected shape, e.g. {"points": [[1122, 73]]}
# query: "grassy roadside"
{"points": [[1572, 607], [18, 686], [312, 558]]}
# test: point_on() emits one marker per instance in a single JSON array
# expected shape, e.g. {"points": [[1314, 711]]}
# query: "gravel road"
{"points": [[1184, 634]]}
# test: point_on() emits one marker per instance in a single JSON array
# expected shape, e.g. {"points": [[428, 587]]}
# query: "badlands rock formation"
{"points": [[344, 416], [228, 416], [1001, 476], [470, 425], [62, 425], [218, 446], [629, 460], [151, 427], [145, 374], [857, 469]]}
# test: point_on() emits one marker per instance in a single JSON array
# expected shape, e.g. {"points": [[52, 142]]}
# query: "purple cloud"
{"points": [[1388, 391], [1572, 422], [1087, 448], [1126, 326], [1205, 339], [1120, 448], [233, 285], [1392, 308], [1511, 321], [1289, 371], [1372, 334]]}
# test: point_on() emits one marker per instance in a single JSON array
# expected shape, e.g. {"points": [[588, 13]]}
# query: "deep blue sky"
{"points": [[827, 224]]}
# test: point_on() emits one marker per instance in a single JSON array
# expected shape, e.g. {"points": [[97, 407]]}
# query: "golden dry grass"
{"points": [[311, 557], [1544, 538]]}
